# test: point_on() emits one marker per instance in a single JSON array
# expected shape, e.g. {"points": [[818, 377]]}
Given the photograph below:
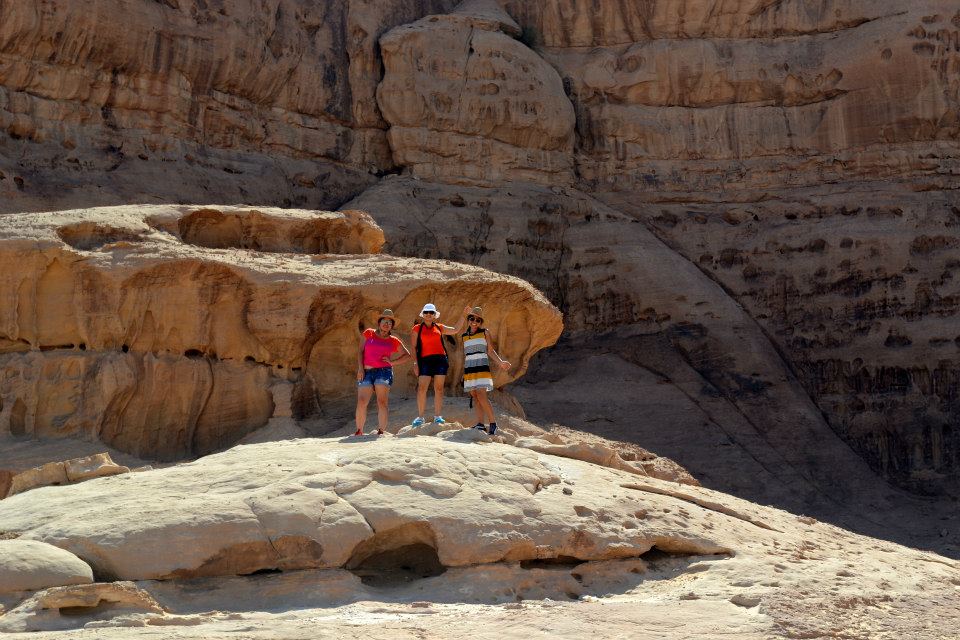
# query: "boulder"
{"points": [[29, 565]]}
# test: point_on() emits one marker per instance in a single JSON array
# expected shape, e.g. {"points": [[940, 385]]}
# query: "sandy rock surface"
{"points": [[393, 529], [28, 565], [162, 330]]}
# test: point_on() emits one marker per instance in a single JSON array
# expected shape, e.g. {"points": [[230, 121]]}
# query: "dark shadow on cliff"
{"points": [[641, 389]]}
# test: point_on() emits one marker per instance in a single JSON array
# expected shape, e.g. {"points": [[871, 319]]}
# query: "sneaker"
{"points": [[493, 428], [417, 422], [480, 426], [439, 420], [358, 433], [379, 432]]}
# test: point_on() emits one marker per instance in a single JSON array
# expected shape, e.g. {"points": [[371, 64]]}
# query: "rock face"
{"points": [[716, 127], [487, 108], [132, 330], [28, 565], [184, 99], [802, 156]]}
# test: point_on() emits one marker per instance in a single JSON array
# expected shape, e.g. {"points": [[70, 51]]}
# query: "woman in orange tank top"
{"points": [[432, 363]]}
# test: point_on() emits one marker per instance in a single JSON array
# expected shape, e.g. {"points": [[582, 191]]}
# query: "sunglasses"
{"points": [[429, 313], [474, 319]]}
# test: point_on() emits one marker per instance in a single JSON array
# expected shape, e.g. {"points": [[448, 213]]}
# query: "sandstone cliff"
{"points": [[796, 161]]}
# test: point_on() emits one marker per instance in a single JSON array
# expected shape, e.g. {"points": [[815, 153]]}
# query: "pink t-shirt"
{"points": [[376, 347]]}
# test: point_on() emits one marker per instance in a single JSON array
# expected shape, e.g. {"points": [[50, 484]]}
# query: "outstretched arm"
{"points": [[461, 324], [492, 353]]}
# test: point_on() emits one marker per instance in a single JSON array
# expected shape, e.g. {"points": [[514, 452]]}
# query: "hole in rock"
{"points": [[193, 353], [124, 348], [87, 236], [396, 567], [560, 562], [263, 572], [397, 556], [55, 347], [100, 607]]}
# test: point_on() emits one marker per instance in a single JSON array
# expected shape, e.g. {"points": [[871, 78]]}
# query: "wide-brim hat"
{"points": [[430, 307], [477, 312], [387, 313]]}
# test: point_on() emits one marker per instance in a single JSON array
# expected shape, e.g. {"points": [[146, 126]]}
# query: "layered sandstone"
{"points": [[111, 102], [716, 125], [738, 132], [131, 330], [487, 108]]}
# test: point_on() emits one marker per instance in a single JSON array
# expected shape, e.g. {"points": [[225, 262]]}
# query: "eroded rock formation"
{"points": [[131, 330], [427, 522], [486, 108], [801, 155]]}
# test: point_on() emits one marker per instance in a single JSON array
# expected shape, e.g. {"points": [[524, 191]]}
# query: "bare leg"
{"points": [[363, 399], [383, 405], [423, 385], [486, 409], [477, 409], [438, 395]]}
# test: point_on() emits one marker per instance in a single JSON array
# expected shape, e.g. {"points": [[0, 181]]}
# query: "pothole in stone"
{"points": [[87, 236], [400, 566]]}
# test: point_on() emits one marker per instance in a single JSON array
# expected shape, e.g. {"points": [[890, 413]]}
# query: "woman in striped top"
{"points": [[477, 377]]}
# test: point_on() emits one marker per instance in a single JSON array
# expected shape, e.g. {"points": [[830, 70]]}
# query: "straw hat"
{"points": [[478, 312], [387, 313]]}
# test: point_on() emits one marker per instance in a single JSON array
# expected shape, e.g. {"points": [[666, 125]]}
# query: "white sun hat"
{"points": [[430, 307]]}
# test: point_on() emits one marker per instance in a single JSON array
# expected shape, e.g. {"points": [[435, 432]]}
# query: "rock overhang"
{"points": [[139, 310]]}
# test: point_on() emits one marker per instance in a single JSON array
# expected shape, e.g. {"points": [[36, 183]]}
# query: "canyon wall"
{"points": [[747, 209]]}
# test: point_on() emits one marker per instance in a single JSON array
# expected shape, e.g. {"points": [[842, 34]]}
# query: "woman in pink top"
{"points": [[375, 369]]}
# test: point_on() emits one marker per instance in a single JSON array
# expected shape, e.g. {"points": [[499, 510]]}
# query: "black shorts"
{"points": [[433, 366]]}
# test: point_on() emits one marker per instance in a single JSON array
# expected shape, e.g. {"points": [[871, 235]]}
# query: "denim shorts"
{"points": [[381, 375], [433, 366]]}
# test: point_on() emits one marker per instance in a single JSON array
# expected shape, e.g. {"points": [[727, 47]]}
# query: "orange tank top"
{"points": [[430, 340]]}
